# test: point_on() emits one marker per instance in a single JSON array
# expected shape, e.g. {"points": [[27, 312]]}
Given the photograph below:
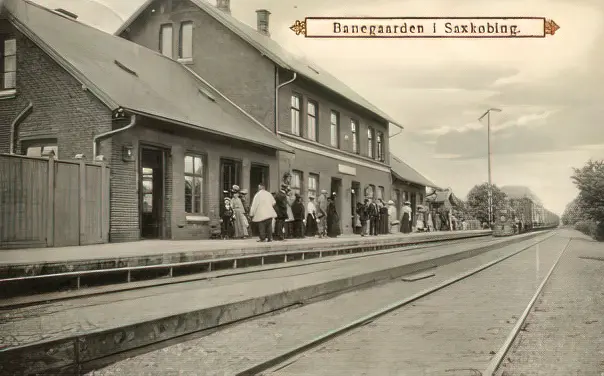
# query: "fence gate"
{"points": [[48, 202]]}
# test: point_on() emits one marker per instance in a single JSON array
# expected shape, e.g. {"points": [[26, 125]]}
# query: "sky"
{"points": [[549, 90]]}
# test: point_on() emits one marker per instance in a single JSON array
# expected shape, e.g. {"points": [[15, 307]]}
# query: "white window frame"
{"points": [[167, 51], [185, 50], [296, 182], [197, 176], [370, 141], [295, 113], [311, 120], [334, 128], [8, 85], [354, 129], [313, 184]]}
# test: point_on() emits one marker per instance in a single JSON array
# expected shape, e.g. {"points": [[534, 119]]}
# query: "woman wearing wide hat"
{"points": [[240, 221]]}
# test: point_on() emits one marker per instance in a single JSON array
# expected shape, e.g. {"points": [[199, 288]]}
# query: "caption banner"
{"points": [[425, 27]]}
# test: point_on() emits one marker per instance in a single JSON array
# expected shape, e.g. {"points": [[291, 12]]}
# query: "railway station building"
{"points": [[341, 141], [167, 136]]}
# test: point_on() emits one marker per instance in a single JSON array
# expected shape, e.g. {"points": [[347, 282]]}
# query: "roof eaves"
{"points": [[197, 127], [54, 55]]}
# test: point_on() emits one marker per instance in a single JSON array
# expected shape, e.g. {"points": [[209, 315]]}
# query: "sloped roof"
{"points": [[519, 192], [277, 54], [403, 171], [442, 196], [123, 74]]}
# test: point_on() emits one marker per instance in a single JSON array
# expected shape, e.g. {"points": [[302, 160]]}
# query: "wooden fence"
{"points": [[46, 202]]}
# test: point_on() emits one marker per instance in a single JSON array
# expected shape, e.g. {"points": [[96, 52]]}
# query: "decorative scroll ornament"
{"points": [[299, 27], [551, 27]]}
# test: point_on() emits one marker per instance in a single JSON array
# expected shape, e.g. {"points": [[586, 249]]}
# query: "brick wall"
{"points": [[327, 103], [327, 168], [61, 108], [177, 142], [230, 64]]}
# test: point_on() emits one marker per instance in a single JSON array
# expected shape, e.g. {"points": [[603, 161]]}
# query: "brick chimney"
{"points": [[224, 5], [262, 16]]}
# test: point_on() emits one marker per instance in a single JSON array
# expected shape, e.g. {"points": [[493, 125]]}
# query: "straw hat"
{"points": [[235, 188], [243, 192], [390, 202]]}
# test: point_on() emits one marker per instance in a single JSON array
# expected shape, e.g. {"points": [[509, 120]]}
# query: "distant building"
{"points": [[340, 139], [66, 85], [443, 198]]}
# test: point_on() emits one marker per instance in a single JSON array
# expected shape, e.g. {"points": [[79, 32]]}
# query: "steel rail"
{"points": [[328, 336], [500, 355]]}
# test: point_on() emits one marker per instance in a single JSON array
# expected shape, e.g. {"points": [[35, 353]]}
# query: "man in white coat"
{"points": [[262, 213]]}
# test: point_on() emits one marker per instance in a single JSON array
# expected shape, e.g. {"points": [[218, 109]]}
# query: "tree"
{"points": [[477, 203], [590, 181], [572, 213]]}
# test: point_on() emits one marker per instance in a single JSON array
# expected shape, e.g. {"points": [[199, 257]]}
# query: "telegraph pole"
{"points": [[490, 186]]}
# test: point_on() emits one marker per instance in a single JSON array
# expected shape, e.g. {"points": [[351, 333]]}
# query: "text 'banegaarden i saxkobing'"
{"points": [[423, 27]]}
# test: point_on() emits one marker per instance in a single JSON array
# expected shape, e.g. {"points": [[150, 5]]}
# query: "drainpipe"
{"points": [[15, 123], [98, 137], [277, 97]]}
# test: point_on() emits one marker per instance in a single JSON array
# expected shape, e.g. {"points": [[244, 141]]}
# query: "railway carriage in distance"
{"points": [[525, 213]]}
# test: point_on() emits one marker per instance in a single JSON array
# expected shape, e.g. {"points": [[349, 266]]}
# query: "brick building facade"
{"points": [[340, 139], [186, 144]]}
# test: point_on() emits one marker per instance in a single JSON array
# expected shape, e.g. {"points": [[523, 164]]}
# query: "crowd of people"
{"points": [[281, 215], [278, 215]]}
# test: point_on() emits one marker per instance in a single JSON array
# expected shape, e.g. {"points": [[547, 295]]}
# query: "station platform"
{"points": [[43, 261], [71, 335]]}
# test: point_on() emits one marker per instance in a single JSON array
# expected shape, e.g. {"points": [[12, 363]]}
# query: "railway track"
{"points": [[278, 362], [88, 365]]}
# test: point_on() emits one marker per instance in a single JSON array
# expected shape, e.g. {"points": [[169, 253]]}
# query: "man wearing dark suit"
{"points": [[281, 209]]}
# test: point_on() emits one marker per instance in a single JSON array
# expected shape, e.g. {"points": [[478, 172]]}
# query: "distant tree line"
{"points": [[586, 211]]}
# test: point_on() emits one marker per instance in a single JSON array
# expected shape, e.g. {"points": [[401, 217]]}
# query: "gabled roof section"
{"points": [[444, 195], [123, 74], [403, 171], [277, 54]]}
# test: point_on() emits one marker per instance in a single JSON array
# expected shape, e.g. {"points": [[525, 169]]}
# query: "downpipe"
{"points": [[99, 137], [279, 86], [13, 126]]}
